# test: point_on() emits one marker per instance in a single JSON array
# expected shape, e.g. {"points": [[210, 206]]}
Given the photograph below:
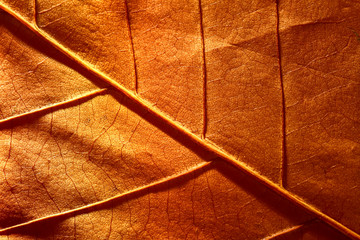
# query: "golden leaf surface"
{"points": [[179, 119]]}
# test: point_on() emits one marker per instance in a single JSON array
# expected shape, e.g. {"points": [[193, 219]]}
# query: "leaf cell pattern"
{"points": [[179, 119]]}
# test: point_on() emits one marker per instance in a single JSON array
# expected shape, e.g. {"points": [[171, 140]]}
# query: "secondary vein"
{"points": [[54, 106], [102, 202], [131, 44], [204, 72], [288, 230], [186, 133], [283, 167]]}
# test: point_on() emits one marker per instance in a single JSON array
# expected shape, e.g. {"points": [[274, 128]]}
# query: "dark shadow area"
{"points": [[159, 123], [314, 230]]}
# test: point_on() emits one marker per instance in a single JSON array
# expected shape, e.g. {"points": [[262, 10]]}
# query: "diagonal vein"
{"points": [[203, 143], [288, 230], [116, 197], [54, 105]]}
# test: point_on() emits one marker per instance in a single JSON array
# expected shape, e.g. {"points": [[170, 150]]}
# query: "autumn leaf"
{"points": [[179, 119]]}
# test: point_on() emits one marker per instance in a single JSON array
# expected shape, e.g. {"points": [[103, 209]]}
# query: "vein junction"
{"points": [[143, 104], [108, 200]]}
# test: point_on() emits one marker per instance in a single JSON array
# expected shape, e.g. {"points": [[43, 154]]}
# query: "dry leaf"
{"points": [[179, 119]]}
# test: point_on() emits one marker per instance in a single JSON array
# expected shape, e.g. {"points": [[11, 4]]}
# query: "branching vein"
{"points": [[53, 106], [288, 230], [117, 197], [203, 143]]}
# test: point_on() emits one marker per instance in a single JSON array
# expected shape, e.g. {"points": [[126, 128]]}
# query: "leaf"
{"points": [[201, 119]]}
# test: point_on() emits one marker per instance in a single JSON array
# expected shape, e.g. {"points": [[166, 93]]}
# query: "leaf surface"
{"points": [[121, 120]]}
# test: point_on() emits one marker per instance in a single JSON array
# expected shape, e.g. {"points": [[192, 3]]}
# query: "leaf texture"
{"points": [[179, 119]]}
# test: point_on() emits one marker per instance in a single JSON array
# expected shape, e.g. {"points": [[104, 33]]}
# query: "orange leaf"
{"points": [[176, 120]]}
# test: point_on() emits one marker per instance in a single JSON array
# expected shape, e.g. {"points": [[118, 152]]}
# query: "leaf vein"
{"points": [[116, 197], [204, 71], [127, 12], [288, 230], [144, 104], [53, 106], [283, 167]]}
